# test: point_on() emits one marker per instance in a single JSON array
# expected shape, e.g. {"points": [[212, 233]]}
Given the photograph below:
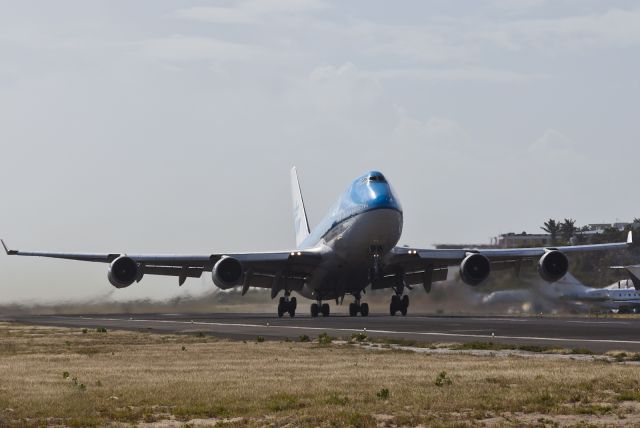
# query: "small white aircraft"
{"points": [[354, 247], [622, 296]]}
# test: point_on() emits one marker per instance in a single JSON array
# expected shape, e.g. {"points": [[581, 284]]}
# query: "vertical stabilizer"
{"points": [[634, 274], [301, 223]]}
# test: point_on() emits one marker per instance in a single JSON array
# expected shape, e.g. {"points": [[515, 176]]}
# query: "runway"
{"points": [[595, 334]]}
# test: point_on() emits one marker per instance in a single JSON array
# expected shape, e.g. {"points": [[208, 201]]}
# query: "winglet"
{"points": [[630, 238], [7, 250]]}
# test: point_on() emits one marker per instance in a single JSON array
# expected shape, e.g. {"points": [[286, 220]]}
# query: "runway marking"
{"points": [[600, 322], [359, 330], [501, 319]]}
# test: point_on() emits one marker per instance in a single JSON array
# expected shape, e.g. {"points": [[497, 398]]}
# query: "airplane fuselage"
{"points": [[359, 231]]}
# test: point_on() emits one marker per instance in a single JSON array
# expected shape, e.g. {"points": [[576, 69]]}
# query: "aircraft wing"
{"points": [[261, 268], [502, 254], [416, 262]]}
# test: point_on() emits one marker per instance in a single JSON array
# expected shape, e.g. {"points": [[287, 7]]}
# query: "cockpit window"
{"points": [[376, 179]]}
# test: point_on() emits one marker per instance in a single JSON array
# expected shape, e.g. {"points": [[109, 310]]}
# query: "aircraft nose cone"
{"points": [[380, 196]]}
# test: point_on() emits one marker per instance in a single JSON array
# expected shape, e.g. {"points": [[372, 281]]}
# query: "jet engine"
{"points": [[227, 273], [553, 265], [474, 269], [123, 271]]}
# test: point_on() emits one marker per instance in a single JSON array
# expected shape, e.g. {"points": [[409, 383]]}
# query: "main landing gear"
{"points": [[320, 308], [356, 307], [399, 304], [287, 304]]}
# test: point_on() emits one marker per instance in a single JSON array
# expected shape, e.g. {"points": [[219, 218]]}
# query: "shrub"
{"points": [[304, 338], [324, 339], [65, 375], [84, 331], [383, 394], [442, 379], [260, 339], [101, 330], [359, 337]]}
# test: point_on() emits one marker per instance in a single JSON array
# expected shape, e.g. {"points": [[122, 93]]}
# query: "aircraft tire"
{"points": [[353, 309], [364, 309], [325, 309], [394, 306], [294, 303], [314, 310], [404, 305], [280, 310], [292, 312]]}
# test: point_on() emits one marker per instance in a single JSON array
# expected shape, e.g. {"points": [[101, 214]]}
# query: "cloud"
{"points": [[435, 131], [248, 11], [616, 26], [553, 144], [178, 48], [457, 74]]}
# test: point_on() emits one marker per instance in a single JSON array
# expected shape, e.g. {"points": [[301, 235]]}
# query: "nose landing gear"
{"points": [[399, 304], [320, 308], [287, 304]]}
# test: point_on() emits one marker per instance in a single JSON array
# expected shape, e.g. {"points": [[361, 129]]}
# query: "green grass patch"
{"points": [[337, 399], [493, 346], [629, 395], [283, 401]]}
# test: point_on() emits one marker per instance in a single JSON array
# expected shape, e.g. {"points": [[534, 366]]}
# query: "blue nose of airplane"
{"points": [[379, 196], [378, 193]]}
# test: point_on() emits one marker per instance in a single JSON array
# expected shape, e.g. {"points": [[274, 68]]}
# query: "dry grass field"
{"points": [[66, 377]]}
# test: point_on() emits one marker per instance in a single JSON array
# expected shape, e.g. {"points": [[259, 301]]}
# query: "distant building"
{"points": [[524, 239]]}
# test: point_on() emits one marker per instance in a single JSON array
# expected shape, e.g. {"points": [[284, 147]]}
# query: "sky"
{"points": [[170, 127]]}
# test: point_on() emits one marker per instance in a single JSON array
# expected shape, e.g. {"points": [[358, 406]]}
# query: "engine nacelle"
{"points": [[227, 273], [474, 269], [553, 265], [123, 271]]}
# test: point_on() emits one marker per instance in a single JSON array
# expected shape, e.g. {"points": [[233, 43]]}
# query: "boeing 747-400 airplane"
{"points": [[353, 248]]}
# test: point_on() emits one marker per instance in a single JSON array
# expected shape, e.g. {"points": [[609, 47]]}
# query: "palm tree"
{"points": [[568, 228], [552, 227]]}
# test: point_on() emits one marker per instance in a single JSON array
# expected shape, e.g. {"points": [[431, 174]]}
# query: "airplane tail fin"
{"points": [[634, 274], [301, 223]]}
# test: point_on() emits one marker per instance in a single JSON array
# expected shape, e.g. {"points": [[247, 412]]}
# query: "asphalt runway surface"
{"points": [[595, 334]]}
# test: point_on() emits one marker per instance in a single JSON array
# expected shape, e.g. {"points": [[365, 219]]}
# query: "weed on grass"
{"points": [[383, 394], [594, 409], [283, 401], [324, 339], [337, 399], [402, 342], [442, 379], [304, 338], [200, 411], [493, 346], [581, 351], [359, 337], [629, 395]]}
